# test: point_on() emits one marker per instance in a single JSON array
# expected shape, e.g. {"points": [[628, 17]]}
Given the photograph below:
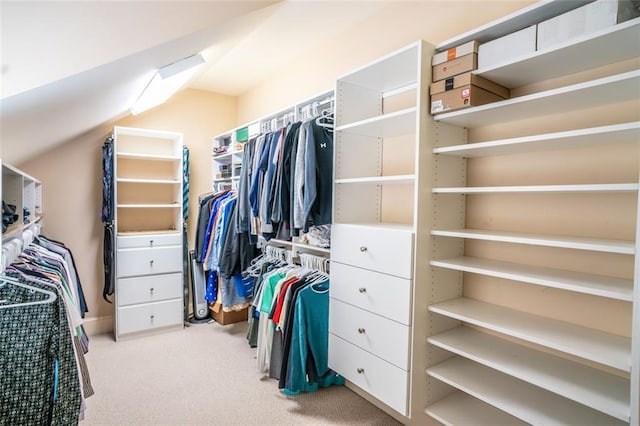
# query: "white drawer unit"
{"points": [[380, 336], [377, 377], [382, 294], [148, 261], [149, 288], [148, 316], [149, 240], [385, 250]]}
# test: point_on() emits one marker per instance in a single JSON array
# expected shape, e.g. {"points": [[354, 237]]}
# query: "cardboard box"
{"points": [[225, 318], [585, 20], [464, 91], [455, 52], [457, 66], [507, 48]]}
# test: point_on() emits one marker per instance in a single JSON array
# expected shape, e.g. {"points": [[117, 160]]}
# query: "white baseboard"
{"points": [[98, 325]]}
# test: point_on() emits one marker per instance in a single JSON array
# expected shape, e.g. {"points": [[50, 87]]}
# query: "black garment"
{"points": [[203, 220], [107, 181], [108, 253], [288, 330], [323, 144], [285, 182], [237, 250]]}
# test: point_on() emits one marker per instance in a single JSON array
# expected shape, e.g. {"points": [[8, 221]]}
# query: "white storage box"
{"points": [[585, 20], [507, 48]]}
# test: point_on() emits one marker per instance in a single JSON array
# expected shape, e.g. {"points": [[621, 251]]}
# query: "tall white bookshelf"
{"points": [[534, 309]]}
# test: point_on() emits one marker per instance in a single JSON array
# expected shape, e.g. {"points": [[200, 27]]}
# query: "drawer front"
{"points": [[147, 261], [149, 240], [380, 379], [383, 294], [149, 316], [149, 288], [381, 336], [389, 251]]}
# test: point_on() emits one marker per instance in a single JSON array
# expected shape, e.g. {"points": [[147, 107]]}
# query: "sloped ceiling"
{"points": [[74, 67], [68, 67]]}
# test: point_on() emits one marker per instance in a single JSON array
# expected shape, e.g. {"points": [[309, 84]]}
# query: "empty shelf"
{"points": [[462, 409], [616, 133], [379, 179], [598, 285], [522, 400], [383, 126], [382, 225], [594, 388], [164, 181], [578, 243], [599, 92], [613, 187], [149, 157], [605, 348], [579, 54], [227, 155]]}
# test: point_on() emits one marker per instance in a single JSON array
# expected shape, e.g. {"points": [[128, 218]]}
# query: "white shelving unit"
{"points": [[380, 213], [23, 191], [534, 305], [148, 225]]}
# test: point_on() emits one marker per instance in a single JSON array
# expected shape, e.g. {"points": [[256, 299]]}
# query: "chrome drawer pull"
{"points": [[150, 242], [151, 290], [360, 370], [151, 262], [152, 317], [361, 330], [362, 290], [363, 249]]}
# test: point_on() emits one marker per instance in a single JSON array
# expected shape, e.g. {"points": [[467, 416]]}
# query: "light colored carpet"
{"points": [[205, 375]]}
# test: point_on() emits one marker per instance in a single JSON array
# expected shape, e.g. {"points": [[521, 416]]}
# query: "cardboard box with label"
{"points": [[455, 52], [585, 20], [463, 91], [507, 48], [455, 67]]}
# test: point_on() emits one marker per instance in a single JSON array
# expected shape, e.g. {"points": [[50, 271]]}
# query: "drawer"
{"points": [[383, 294], [149, 240], [381, 336], [148, 261], [385, 250], [378, 378], [149, 316], [149, 288]]}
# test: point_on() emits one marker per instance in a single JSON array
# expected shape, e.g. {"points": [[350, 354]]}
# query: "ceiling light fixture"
{"points": [[167, 81]]}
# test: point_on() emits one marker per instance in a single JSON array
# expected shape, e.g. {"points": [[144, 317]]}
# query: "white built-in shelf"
{"points": [[397, 123], [598, 92], [577, 243], [158, 181], [398, 69], [276, 241], [579, 54], [147, 157], [407, 179], [580, 282], [520, 399], [223, 179], [594, 388], [460, 408], [149, 206], [614, 187], [227, 155], [400, 90], [594, 345], [537, 12], [616, 133]]}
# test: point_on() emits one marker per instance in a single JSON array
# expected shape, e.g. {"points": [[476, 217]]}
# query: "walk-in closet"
{"points": [[348, 212]]}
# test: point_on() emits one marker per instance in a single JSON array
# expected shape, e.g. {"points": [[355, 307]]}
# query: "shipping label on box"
{"points": [[455, 52], [457, 66]]}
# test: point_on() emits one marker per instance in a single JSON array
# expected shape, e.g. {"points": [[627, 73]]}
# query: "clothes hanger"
{"points": [[7, 280]]}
